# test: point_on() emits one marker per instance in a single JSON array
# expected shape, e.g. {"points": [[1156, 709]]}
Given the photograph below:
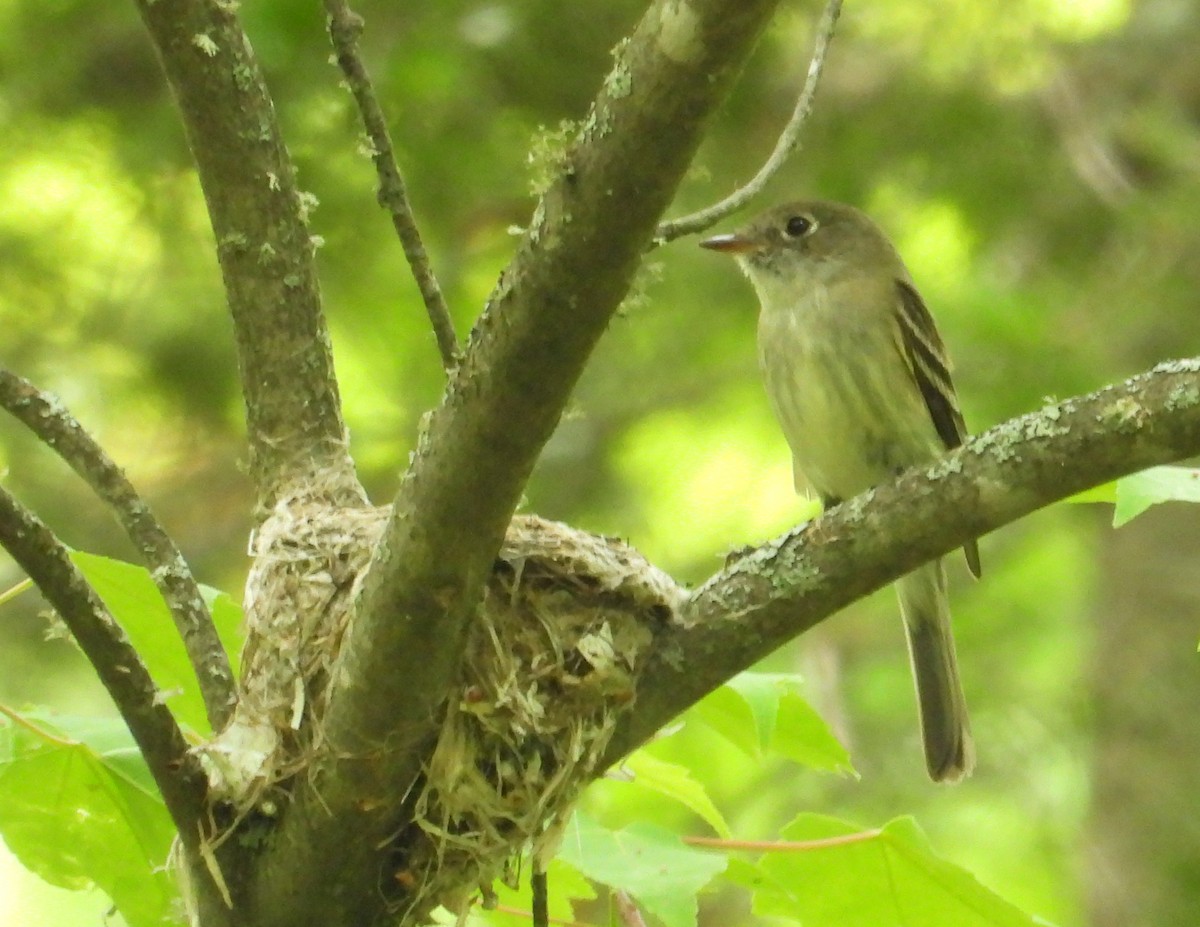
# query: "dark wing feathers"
{"points": [[926, 358]]}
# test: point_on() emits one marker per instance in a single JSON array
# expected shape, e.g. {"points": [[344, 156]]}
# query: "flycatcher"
{"points": [[857, 376]]}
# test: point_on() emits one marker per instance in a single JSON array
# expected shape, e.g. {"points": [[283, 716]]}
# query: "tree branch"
{"points": [[789, 141], [788, 585], [259, 218], [46, 417], [176, 772], [473, 459], [345, 26]]}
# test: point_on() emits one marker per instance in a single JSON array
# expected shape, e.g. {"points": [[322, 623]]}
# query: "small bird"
{"points": [[858, 378]]}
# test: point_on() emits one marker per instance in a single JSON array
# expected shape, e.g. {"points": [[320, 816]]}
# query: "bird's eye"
{"points": [[797, 226]]}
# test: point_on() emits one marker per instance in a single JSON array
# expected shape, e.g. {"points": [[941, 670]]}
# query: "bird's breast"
{"points": [[842, 397]]}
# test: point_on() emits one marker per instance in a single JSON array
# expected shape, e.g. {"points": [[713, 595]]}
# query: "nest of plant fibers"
{"points": [[551, 663], [567, 619]]}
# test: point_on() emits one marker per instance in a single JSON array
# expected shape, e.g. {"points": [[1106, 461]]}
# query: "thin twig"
{"points": [[782, 846], [45, 415], [631, 915], [15, 590], [44, 558], [22, 721], [789, 140], [345, 26], [540, 891]]}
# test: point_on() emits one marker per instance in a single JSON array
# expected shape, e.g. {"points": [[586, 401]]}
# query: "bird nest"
{"points": [[550, 664]]}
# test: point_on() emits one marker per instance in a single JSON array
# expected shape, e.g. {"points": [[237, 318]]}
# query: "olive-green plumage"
{"points": [[858, 378]]}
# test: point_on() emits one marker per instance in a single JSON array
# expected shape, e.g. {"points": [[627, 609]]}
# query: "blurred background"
{"points": [[1037, 163]]}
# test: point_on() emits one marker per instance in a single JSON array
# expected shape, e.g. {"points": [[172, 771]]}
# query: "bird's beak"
{"points": [[730, 244]]}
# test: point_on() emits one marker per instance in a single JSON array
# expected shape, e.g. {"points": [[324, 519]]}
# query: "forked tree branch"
{"points": [[788, 142], [345, 26], [47, 418], [475, 455], [786, 586], [259, 218]]}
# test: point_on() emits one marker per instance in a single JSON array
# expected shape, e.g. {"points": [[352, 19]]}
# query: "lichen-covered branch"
{"points": [[259, 219], [344, 28], [774, 593], [46, 417], [788, 142]]}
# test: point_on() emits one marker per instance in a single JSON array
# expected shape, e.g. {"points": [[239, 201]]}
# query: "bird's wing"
{"points": [[926, 357]]}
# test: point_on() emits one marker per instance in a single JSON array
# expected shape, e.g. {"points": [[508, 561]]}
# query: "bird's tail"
{"points": [[949, 751]]}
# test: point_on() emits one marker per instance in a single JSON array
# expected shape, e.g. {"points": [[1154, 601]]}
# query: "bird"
{"points": [[858, 379]]}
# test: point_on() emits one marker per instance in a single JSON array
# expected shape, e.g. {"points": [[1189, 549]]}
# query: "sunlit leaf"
{"points": [[765, 711], [803, 736], [135, 602], [762, 693], [885, 878], [675, 782], [751, 875], [651, 864], [1134, 494], [228, 617], [727, 713], [1139, 491], [78, 807], [1105, 492]]}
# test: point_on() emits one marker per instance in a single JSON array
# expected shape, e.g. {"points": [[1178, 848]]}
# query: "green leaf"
{"points": [[653, 865], [1139, 491], [762, 692], [675, 782], [751, 876], [135, 602], [1105, 492], [229, 618], [803, 736], [79, 808], [885, 878], [727, 713], [760, 711]]}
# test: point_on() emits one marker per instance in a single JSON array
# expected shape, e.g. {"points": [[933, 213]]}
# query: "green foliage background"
{"points": [[1038, 164]]}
